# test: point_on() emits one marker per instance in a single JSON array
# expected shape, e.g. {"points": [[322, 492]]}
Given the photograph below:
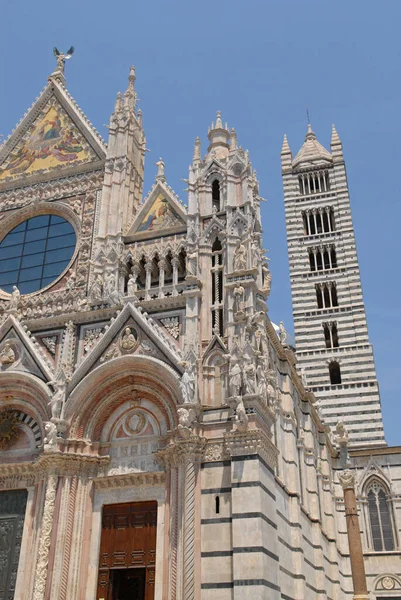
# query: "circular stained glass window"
{"points": [[35, 253]]}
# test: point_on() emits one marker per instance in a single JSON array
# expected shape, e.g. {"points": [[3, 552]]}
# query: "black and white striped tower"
{"points": [[332, 341]]}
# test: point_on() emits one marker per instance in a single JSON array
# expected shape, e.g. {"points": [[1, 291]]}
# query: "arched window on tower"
{"points": [[335, 373], [216, 195], [380, 517]]}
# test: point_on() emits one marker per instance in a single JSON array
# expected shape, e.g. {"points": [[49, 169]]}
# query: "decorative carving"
{"points": [[388, 583], [49, 343], [129, 340], [239, 301], [7, 355], [9, 428], [45, 539], [341, 434], [90, 338], [172, 324], [96, 291], [186, 417], [252, 441], [347, 479], [135, 422], [241, 419], [216, 452]]}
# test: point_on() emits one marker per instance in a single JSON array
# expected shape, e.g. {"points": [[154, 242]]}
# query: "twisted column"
{"points": [[189, 532], [68, 540], [45, 538]]}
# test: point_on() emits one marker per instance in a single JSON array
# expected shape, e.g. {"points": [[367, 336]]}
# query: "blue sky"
{"points": [[262, 63]]}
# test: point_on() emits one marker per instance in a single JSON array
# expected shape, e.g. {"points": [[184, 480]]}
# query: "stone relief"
{"points": [[239, 261], [49, 343], [7, 355], [187, 383], [90, 338], [129, 340], [172, 325]]}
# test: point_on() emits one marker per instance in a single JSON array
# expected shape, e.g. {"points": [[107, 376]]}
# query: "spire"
{"points": [[336, 145], [285, 147], [312, 151], [160, 176], [219, 138], [233, 140], [197, 152], [130, 94], [119, 103], [286, 154]]}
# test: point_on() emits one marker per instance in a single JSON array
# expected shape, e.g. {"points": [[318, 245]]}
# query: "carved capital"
{"points": [[180, 451], [347, 479]]}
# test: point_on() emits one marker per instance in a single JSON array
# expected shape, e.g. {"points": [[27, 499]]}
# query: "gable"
{"points": [[52, 137], [161, 214]]}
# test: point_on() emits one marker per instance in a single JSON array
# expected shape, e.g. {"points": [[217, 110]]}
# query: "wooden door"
{"points": [[128, 542], [12, 516]]}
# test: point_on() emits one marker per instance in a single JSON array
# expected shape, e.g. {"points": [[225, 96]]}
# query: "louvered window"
{"points": [[381, 525]]}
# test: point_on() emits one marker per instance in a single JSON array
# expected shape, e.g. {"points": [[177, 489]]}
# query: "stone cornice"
{"points": [[253, 441], [130, 480], [181, 450]]}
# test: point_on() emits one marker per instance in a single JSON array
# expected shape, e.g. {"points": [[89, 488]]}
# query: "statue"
{"points": [[249, 378], [71, 282], [186, 417], [51, 435], [241, 418], [7, 355], [96, 292], [261, 380], [267, 279], [128, 340], [61, 57], [239, 262], [131, 286], [187, 384], [239, 299], [303, 378], [109, 284], [57, 401], [192, 264], [15, 298], [235, 379], [282, 333], [341, 434], [255, 253]]}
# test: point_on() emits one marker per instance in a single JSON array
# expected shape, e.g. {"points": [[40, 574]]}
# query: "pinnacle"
{"points": [[197, 155], [219, 123], [160, 176], [334, 136], [285, 147]]}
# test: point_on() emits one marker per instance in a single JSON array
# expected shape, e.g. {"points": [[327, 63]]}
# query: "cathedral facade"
{"points": [[160, 438]]}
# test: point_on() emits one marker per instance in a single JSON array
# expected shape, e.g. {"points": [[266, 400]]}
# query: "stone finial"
{"points": [[160, 176], [233, 140], [130, 94], [197, 150], [219, 123], [118, 104], [347, 479]]}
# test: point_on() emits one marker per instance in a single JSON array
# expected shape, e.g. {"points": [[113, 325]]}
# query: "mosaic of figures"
{"points": [[161, 215], [53, 141]]}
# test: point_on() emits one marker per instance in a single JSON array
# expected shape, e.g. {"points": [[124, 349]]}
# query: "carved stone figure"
{"points": [[128, 340], [57, 401], [241, 418], [15, 298], [267, 279], [235, 379], [71, 282], [261, 380], [186, 417], [96, 292], [109, 284], [187, 384], [51, 434], [239, 262], [7, 355], [282, 333], [131, 285], [249, 378], [341, 434], [255, 253], [239, 299], [192, 264]]}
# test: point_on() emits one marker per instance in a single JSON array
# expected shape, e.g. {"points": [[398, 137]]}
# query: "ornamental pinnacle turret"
{"points": [[332, 342]]}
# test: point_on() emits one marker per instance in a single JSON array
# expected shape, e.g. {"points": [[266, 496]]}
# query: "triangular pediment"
{"points": [[20, 352], [161, 214], [53, 137], [216, 343], [131, 332]]}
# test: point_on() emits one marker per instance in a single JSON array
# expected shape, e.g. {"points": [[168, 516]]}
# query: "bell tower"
{"points": [[332, 343]]}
